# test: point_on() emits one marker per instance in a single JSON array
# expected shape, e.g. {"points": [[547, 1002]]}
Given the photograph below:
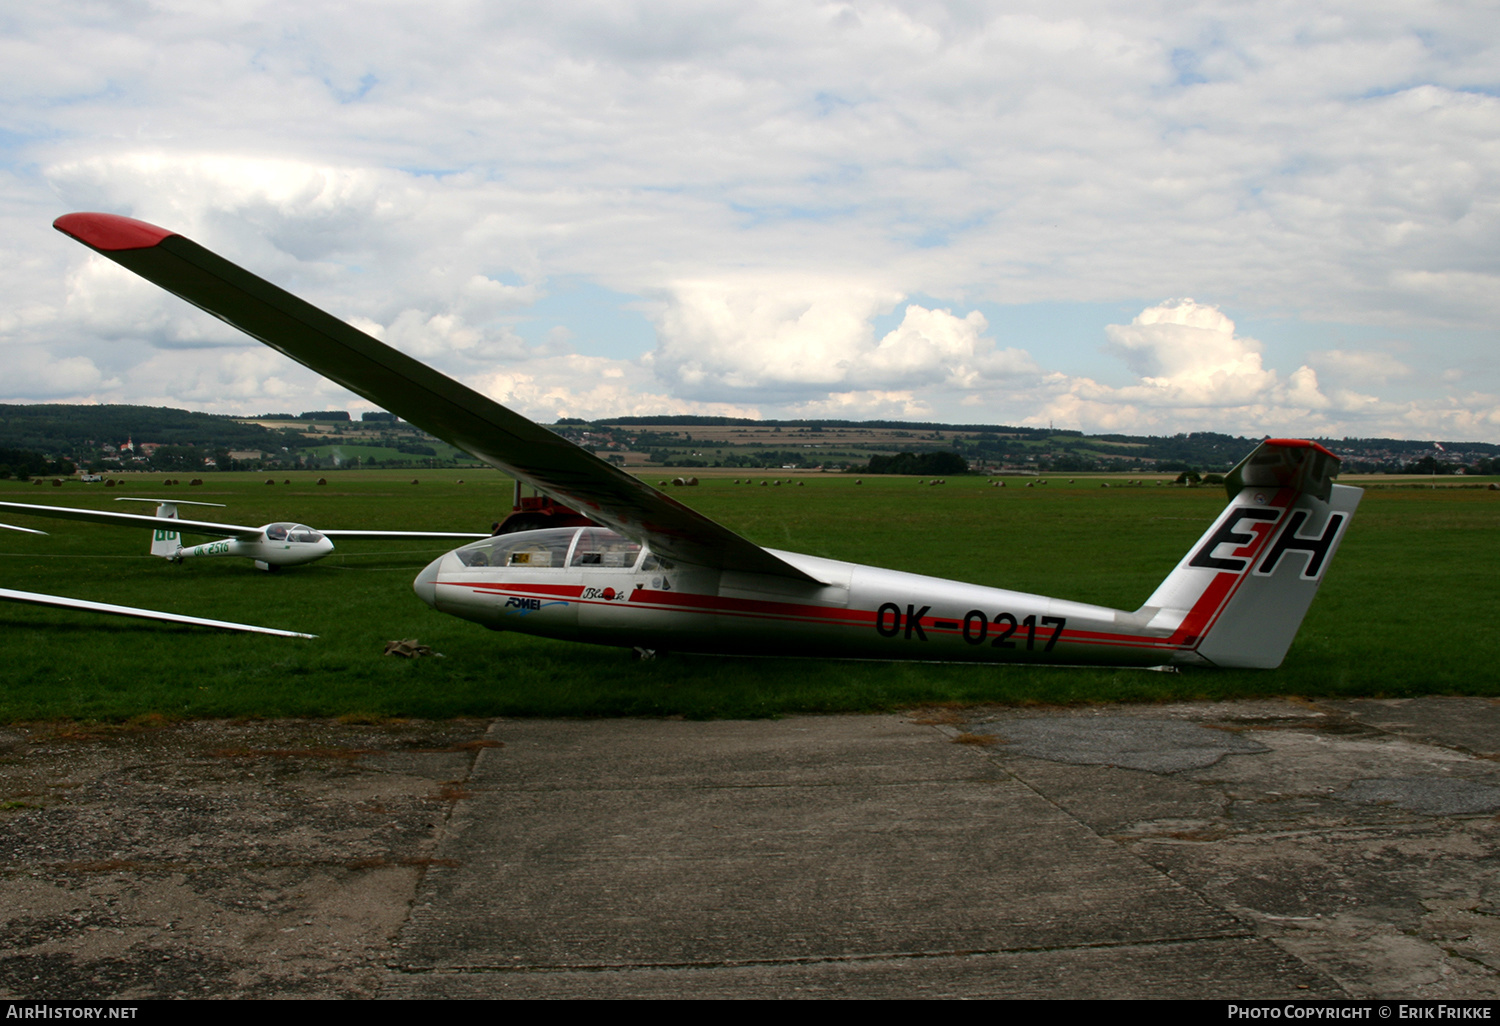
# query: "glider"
{"points": [[272, 546], [57, 601], [656, 575]]}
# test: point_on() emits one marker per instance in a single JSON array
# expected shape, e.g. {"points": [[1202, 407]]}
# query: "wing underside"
{"points": [[421, 395]]}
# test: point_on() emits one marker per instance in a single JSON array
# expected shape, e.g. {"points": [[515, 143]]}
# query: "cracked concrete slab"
{"points": [[1275, 849], [215, 859], [1128, 742]]}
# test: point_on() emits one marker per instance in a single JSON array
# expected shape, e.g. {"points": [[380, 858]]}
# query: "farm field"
{"points": [[1407, 608]]}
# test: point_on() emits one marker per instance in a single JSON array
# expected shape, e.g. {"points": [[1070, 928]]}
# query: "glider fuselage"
{"points": [[864, 613], [278, 545]]}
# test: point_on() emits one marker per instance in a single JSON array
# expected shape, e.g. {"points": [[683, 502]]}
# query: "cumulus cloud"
{"points": [[764, 339], [776, 176], [592, 388], [1189, 355], [1192, 369], [49, 377], [1195, 372]]}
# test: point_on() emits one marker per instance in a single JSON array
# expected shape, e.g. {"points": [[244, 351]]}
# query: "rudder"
{"points": [[1239, 596], [165, 541]]}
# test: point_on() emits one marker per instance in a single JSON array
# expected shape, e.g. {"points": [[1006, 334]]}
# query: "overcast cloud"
{"points": [[782, 209]]}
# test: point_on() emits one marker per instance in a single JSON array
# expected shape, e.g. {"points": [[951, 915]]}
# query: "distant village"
{"points": [[60, 440]]}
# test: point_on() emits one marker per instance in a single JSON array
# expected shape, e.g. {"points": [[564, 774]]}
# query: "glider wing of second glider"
{"points": [[421, 395], [100, 516]]}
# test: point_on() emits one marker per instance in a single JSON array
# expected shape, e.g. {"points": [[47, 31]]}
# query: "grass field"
{"points": [[1407, 608]]}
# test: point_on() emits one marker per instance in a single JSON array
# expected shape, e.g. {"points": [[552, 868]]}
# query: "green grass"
{"points": [[1406, 609], [346, 452]]}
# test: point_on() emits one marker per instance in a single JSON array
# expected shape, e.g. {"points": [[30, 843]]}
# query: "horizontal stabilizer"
{"points": [[1292, 463], [169, 502]]}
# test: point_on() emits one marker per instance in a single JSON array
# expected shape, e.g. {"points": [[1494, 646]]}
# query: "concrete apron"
{"points": [[1267, 849]]}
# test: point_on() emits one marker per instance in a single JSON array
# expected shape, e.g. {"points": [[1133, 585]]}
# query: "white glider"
{"points": [[658, 575], [271, 546]]}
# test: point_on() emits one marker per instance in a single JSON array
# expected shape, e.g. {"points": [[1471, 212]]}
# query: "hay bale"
{"points": [[322, 480]]}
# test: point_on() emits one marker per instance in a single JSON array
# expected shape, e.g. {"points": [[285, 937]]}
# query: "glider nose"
{"points": [[426, 583]]}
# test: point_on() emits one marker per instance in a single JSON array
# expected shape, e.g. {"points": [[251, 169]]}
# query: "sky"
{"points": [[1276, 218]]}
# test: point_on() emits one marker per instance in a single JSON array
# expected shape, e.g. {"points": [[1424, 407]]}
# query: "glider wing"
{"points": [[37, 599], [99, 516], [421, 395], [402, 534]]}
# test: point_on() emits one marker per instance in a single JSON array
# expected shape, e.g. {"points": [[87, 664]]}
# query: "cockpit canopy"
{"points": [[292, 533], [585, 547]]}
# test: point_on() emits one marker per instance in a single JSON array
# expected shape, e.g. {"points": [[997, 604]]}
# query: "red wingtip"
{"points": [[110, 232]]}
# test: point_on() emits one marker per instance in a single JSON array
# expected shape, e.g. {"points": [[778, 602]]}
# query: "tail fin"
{"points": [[1238, 598], [165, 541]]}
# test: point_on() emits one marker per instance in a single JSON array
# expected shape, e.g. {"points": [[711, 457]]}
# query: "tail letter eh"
{"points": [[1316, 546], [1229, 533]]}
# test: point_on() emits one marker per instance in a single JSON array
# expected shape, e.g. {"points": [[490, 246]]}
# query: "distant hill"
{"points": [[86, 434], [63, 429]]}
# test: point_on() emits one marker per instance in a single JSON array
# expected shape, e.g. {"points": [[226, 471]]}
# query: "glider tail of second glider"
{"points": [[165, 541], [1240, 594]]}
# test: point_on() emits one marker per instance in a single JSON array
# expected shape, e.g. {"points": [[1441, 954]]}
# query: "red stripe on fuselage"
{"points": [[791, 612]]}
